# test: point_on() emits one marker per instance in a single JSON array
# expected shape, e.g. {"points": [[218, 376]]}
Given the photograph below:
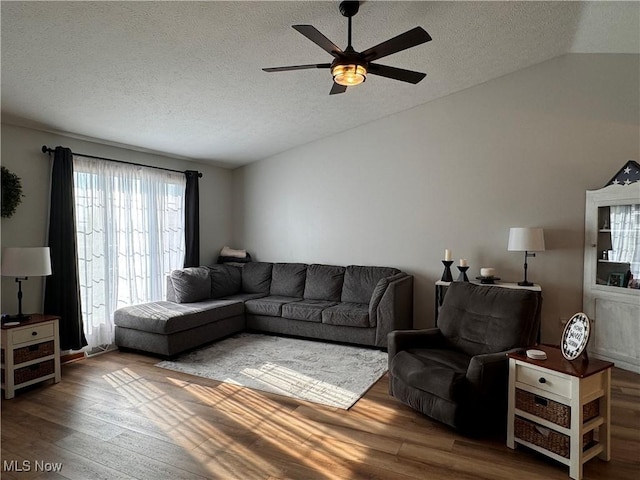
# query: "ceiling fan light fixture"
{"points": [[349, 67], [349, 75]]}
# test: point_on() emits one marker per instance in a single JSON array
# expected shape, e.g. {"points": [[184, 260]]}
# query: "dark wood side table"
{"points": [[30, 353], [559, 408]]}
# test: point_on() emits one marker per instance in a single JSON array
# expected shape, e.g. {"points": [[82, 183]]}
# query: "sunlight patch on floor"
{"points": [[287, 380], [214, 442]]}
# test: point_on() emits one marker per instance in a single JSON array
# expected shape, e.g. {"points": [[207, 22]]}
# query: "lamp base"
{"points": [[525, 284]]}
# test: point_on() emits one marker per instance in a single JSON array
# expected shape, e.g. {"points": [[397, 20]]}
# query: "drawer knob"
{"points": [[34, 333], [542, 380]]}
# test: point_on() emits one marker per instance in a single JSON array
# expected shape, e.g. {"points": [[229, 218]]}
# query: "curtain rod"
{"points": [[46, 149]]}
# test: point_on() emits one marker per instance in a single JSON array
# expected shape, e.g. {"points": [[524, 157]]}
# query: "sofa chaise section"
{"points": [[168, 328], [194, 313]]}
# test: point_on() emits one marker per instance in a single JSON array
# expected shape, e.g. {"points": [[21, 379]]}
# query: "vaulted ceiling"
{"points": [[184, 78]]}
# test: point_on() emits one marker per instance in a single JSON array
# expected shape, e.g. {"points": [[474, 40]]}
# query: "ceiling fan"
{"points": [[350, 68]]}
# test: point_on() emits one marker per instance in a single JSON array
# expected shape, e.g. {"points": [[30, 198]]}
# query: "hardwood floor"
{"points": [[116, 416]]}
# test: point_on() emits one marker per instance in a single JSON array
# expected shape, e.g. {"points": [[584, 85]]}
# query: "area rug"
{"points": [[325, 373]]}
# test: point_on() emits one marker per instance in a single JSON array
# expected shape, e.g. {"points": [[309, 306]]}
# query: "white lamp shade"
{"points": [[26, 262], [526, 239]]}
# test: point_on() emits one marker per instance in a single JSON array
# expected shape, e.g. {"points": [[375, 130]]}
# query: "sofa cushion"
{"points": [[359, 282], [191, 284], [443, 377], [225, 280], [270, 306], [170, 317], [243, 297], [324, 282], [256, 277], [347, 314], [287, 279], [306, 310]]}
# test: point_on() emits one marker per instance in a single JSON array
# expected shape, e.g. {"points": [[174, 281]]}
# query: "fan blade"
{"points": [[337, 89], [319, 39], [297, 67], [396, 73], [413, 37]]}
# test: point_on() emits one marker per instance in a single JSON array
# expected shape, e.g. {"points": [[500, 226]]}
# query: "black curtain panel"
{"points": [[192, 220], [62, 291]]}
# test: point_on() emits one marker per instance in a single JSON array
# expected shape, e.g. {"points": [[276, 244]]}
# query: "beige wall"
{"points": [[28, 227], [455, 173]]}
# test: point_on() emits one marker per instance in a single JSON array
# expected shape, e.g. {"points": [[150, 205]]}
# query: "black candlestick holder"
{"points": [[463, 274], [446, 275]]}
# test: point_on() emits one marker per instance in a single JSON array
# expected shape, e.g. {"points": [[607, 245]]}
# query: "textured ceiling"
{"points": [[185, 78]]}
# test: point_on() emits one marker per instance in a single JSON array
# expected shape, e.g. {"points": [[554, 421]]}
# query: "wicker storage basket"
{"points": [[32, 352], [554, 412], [546, 438], [31, 372]]}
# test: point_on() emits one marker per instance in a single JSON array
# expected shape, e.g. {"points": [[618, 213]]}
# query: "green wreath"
{"points": [[11, 192]]}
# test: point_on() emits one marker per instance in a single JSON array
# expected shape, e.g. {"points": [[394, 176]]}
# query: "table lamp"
{"points": [[527, 240], [22, 263]]}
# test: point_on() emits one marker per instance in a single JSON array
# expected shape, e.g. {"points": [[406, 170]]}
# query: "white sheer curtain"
{"points": [[130, 230], [625, 235]]}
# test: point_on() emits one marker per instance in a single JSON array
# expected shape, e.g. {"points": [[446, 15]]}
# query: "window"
{"points": [[130, 232]]}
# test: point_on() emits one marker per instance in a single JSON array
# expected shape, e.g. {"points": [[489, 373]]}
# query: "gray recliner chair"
{"points": [[457, 373]]}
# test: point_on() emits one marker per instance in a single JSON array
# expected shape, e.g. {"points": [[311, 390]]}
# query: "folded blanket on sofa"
{"points": [[230, 252]]}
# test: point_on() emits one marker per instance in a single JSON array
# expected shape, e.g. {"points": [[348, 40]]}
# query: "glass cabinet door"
{"points": [[618, 246]]}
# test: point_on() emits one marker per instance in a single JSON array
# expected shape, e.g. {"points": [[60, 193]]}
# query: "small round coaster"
{"points": [[536, 354]]}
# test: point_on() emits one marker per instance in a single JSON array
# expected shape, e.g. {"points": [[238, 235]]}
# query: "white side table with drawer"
{"points": [[30, 353], [559, 408]]}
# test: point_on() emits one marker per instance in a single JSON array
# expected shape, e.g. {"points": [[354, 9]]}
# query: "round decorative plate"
{"points": [[575, 336]]}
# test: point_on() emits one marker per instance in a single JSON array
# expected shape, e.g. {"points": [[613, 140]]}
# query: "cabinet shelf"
{"points": [[32, 382], [543, 422], [32, 362], [588, 453], [586, 426]]}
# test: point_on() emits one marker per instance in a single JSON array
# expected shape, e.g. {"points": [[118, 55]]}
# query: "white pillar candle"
{"points": [[487, 272], [463, 262], [447, 255]]}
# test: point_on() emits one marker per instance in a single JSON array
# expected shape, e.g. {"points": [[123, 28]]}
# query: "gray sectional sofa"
{"points": [[354, 304]]}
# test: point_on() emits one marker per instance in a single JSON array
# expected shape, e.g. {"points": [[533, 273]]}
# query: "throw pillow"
{"points": [[230, 252], [191, 284]]}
